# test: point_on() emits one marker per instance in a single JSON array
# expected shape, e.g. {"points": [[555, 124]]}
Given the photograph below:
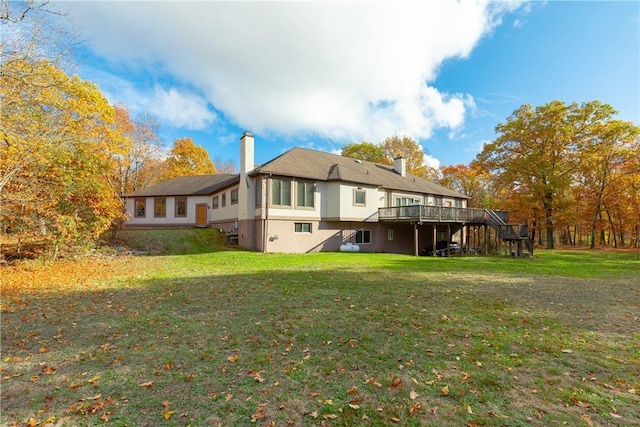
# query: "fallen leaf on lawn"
{"points": [[35, 378], [615, 415], [469, 410], [259, 414], [413, 395], [354, 406], [395, 382], [314, 414], [566, 350], [147, 384], [168, 414], [352, 390], [586, 419], [233, 358], [49, 370], [43, 349], [395, 420], [94, 379], [329, 416], [228, 397], [415, 407], [577, 402], [166, 403], [445, 390]]}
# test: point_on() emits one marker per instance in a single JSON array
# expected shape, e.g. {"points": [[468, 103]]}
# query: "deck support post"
{"points": [[435, 238], [448, 239], [486, 240], [415, 240]]}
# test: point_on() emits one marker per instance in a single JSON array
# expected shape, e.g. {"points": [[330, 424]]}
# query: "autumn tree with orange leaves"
{"points": [[572, 168], [56, 151], [186, 158]]}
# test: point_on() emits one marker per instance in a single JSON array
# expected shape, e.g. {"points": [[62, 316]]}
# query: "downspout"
{"points": [[265, 227]]}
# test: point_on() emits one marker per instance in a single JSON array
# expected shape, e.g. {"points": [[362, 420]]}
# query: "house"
{"points": [[307, 201]]}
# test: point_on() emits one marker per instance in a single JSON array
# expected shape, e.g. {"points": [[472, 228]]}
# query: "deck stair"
{"points": [[512, 234]]}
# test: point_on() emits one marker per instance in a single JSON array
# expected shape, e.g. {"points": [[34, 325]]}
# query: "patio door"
{"points": [[201, 215]]}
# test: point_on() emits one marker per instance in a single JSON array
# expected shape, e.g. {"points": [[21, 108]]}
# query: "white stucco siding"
{"points": [[170, 218], [350, 209]]}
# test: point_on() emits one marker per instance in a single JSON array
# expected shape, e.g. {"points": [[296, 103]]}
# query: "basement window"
{"points": [[363, 236], [302, 227]]}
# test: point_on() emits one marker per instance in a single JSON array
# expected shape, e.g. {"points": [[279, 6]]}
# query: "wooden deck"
{"points": [[438, 214], [510, 234]]}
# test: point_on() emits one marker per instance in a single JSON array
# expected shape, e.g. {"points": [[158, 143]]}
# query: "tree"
{"points": [[140, 164], [470, 180], [535, 153], [225, 166], [185, 158], [610, 148], [366, 151], [408, 148], [56, 151], [539, 153]]}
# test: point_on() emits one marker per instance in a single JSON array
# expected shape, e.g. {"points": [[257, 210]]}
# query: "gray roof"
{"points": [[320, 166], [200, 185]]}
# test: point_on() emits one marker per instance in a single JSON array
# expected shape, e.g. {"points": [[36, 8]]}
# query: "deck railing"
{"points": [[438, 214]]}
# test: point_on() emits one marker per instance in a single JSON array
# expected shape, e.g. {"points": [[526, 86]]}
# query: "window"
{"points": [[438, 201], [389, 234], [305, 194], [363, 236], [259, 192], [216, 202], [359, 197], [234, 197], [458, 203], [181, 206], [140, 208], [160, 207], [302, 227], [281, 192], [223, 200]]}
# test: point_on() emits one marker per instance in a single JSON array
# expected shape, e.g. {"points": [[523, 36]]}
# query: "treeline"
{"points": [[66, 155]]}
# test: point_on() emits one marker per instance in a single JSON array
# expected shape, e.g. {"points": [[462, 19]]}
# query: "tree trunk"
{"points": [[548, 213], [594, 225]]}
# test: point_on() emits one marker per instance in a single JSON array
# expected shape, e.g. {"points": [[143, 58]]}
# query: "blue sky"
{"points": [[324, 74]]}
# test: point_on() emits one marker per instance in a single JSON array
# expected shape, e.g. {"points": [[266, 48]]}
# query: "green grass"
{"points": [[227, 337]]}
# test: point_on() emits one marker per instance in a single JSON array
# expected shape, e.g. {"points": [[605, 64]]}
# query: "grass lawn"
{"points": [[192, 335]]}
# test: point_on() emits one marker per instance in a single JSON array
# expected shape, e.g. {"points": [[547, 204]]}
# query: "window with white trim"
{"points": [[389, 234], [359, 197]]}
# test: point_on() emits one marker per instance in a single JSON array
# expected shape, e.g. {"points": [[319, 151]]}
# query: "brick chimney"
{"points": [[400, 166]]}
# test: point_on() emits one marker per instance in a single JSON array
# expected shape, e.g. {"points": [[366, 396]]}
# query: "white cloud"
{"points": [[179, 108], [339, 70], [431, 161]]}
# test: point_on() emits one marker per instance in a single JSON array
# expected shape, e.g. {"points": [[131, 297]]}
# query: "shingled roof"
{"points": [[320, 166], [201, 185]]}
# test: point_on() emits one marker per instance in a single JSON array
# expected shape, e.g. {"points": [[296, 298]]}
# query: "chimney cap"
{"points": [[246, 133]]}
